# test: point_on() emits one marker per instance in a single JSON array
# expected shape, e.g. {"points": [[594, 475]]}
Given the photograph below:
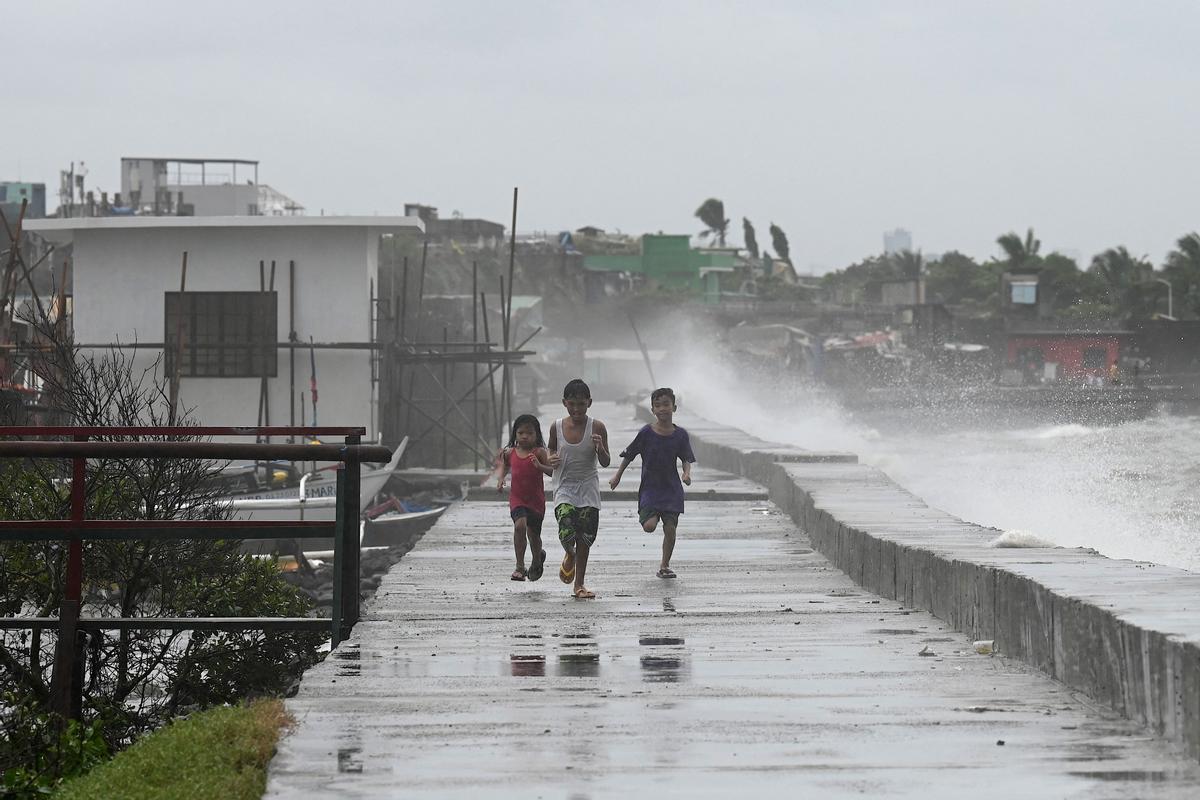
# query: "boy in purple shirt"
{"points": [[660, 495]]}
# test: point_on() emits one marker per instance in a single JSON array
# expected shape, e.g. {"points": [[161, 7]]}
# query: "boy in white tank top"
{"points": [[577, 444]]}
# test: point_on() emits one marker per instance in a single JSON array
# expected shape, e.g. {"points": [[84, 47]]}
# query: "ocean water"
{"points": [[1129, 490]]}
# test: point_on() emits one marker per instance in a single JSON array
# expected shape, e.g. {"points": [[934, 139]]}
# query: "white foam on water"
{"points": [[1020, 539], [1059, 431], [1127, 490]]}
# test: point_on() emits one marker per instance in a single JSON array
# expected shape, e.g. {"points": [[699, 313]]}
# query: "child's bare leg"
{"points": [[668, 543], [535, 543], [582, 548], [520, 533], [650, 524]]}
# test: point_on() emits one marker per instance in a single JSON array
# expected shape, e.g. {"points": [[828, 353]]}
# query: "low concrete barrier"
{"points": [[1125, 633]]}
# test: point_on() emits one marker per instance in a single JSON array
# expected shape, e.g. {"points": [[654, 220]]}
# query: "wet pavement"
{"points": [[761, 667]]}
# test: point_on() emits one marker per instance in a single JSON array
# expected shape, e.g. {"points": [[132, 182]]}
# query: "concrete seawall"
{"points": [[1126, 634]]}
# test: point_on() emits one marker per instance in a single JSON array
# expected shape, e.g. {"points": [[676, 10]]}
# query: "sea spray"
{"points": [[1020, 539], [1126, 490]]}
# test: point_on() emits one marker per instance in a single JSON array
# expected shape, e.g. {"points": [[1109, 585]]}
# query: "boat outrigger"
{"points": [[381, 525]]}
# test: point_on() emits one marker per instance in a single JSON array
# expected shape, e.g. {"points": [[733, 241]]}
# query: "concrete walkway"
{"points": [[762, 667]]}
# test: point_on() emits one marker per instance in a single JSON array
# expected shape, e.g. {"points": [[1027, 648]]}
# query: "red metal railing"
{"points": [[66, 680]]}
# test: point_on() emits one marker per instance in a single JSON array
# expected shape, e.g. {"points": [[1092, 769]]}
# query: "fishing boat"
{"points": [[383, 524]]}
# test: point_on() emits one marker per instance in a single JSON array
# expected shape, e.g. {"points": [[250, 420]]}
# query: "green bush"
{"points": [[41, 752]]}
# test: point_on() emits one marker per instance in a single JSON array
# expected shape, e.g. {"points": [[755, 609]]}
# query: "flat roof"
{"points": [[63, 230], [191, 160]]}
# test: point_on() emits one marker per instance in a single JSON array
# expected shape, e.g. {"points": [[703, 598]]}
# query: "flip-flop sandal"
{"points": [[563, 575], [666, 573], [582, 593], [517, 575], [538, 567]]}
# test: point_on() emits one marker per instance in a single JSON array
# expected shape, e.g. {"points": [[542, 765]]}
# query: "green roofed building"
{"points": [[670, 260]]}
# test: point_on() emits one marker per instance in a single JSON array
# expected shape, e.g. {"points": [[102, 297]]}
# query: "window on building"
{"points": [[1024, 292], [1095, 358], [1033, 357], [224, 334]]}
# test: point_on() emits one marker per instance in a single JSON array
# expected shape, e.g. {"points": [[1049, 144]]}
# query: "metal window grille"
{"points": [[223, 334]]}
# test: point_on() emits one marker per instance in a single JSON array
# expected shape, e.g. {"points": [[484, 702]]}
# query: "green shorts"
{"points": [[576, 524], [666, 516]]}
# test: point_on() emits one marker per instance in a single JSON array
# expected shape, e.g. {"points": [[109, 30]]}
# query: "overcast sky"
{"points": [[837, 120]]}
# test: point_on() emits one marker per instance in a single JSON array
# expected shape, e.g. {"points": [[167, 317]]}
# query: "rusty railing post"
{"points": [[339, 554], [68, 618], [349, 568], [77, 674]]}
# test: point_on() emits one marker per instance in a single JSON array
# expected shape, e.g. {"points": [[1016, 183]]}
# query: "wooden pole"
{"points": [[475, 365], [512, 289], [445, 383], [262, 384], [491, 373], [292, 338], [266, 384], [173, 387], [412, 383], [505, 372]]}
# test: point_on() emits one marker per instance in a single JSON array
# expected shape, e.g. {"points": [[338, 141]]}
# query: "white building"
{"points": [[200, 187], [126, 288]]}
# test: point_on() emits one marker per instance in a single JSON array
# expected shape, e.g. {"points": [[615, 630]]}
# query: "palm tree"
{"points": [[909, 264], [1183, 270], [712, 213], [750, 239], [779, 241], [1121, 273], [1019, 252]]}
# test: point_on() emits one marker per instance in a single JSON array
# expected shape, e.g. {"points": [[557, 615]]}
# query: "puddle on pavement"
{"points": [[666, 667], [348, 662], [663, 669], [527, 666], [349, 759], [578, 657], [1130, 776], [579, 665]]}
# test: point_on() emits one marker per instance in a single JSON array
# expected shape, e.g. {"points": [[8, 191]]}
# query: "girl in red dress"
{"points": [[527, 459]]}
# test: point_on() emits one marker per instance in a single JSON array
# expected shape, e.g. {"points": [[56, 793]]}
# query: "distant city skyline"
{"points": [[957, 121]]}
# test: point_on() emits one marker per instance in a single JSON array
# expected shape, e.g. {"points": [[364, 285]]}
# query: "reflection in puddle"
{"points": [[527, 666], [349, 759], [1133, 776], [666, 667], [579, 665], [662, 669], [348, 661], [579, 656]]}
